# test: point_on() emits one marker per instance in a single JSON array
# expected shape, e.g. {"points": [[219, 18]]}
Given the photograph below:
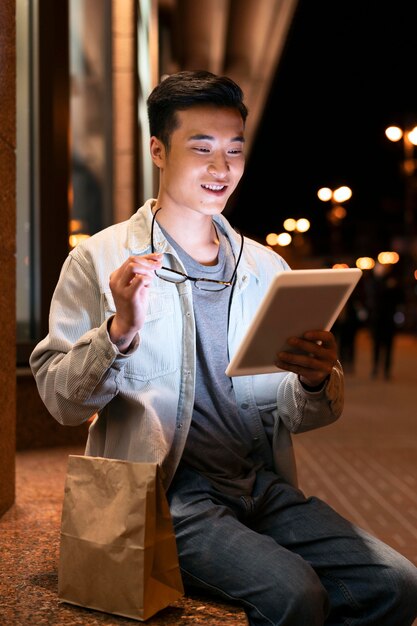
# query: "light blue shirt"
{"points": [[143, 400]]}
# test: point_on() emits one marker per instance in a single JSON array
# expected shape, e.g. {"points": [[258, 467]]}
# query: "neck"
{"points": [[198, 237]]}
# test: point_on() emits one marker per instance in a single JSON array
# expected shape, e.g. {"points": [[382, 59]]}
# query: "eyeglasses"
{"points": [[205, 284]]}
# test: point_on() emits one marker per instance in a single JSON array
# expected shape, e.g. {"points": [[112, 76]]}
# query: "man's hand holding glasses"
{"points": [[129, 286]]}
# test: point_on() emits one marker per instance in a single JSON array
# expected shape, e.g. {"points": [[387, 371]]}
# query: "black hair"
{"points": [[185, 90]]}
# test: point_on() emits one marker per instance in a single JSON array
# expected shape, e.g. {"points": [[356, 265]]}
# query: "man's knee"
{"points": [[393, 592], [309, 600], [300, 598], [404, 585]]}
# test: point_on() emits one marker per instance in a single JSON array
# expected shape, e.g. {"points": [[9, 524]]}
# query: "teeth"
{"points": [[214, 187]]}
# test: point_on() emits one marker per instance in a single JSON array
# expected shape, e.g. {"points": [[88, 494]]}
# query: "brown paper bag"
{"points": [[117, 551]]}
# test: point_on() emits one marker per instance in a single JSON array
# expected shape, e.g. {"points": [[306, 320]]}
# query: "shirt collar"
{"points": [[139, 239]]}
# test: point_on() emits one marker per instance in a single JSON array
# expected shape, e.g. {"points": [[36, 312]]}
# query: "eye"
{"points": [[202, 149]]}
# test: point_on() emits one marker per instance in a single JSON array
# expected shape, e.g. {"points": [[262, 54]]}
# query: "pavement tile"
{"points": [[365, 466]]}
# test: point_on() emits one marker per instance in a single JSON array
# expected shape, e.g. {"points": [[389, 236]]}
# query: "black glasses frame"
{"points": [[184, 277]]}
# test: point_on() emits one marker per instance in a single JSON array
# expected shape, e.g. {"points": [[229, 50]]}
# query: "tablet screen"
{"points": [[296, 301]]}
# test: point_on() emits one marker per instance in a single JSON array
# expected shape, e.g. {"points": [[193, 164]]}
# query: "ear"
{"points": [[157, 150]]}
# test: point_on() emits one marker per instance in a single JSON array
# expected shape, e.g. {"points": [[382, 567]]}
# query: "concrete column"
{"points": [[7, 252], [124, 78]]}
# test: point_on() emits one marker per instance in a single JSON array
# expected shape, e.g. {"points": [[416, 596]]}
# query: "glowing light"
{"points": [[341, 194], [284, 239], [388, 258], [77, 226], [290, 224], [325, 194], [74, 240], [394, 133], [303, 225], [271, 239], [340, 266], [336, 215], [365, 263], [412, 136]]}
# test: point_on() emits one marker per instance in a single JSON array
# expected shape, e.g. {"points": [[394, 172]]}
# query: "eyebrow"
{"points": [[202, 137]]}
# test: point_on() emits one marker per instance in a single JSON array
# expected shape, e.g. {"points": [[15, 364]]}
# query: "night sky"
{"points": [[348, 71]]}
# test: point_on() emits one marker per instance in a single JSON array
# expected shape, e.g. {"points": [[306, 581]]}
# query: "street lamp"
{"points": [[337, 212], [409, 140], [336, 197], [301, 225]]}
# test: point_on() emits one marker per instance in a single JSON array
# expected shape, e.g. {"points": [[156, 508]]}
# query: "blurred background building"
{"points": [[323, 80]]}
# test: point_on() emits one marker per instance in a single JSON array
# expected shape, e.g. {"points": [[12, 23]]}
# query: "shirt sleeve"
{"points": [[303, 410], [76, 366]]}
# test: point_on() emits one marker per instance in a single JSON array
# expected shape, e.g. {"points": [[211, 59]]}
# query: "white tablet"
{"points": [[296, 301]]}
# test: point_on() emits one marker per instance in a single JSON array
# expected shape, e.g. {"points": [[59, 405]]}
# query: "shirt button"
{"points": [[244, 406]]}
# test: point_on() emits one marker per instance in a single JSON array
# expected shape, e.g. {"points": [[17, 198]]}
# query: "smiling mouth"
{"points": [[214, 187]]}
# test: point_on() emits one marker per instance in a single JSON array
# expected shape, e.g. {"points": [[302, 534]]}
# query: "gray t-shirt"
{"points": [[220, 444]]}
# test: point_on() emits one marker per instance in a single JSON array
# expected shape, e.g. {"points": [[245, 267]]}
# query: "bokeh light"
{"points": [[365, 263], [302, 225], [388, 258], [290, 224], [284, 239], [394, 133]]}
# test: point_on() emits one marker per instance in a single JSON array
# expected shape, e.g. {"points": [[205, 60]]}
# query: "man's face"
{"points": [[205, 161]]}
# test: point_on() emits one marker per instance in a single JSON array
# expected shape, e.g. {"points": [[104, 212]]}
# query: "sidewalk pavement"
{"points": [[365, 465]]}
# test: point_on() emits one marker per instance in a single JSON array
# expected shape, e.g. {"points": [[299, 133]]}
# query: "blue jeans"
{"points": [[287, 559]]}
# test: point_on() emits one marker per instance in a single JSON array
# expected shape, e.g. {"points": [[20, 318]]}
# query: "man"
{"points": [[143, 321]]}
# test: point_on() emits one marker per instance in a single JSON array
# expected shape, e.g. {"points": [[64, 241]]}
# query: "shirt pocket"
{"points": [[265, 388], [159, 350]]}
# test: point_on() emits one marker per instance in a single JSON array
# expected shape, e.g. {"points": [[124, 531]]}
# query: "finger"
{"points": [[322, 337], [306, 364], [313, 376], [315, 342], [141, 280], [128, 281], [143, 269], [302, 361], [147, 260], [307, 347]]}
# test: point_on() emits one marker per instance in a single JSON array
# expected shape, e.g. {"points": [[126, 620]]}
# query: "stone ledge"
{"points": [[29, 558], [35, 426]]}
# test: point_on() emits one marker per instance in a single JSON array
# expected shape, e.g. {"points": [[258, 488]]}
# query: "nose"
{"points": [[219, 166]]}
